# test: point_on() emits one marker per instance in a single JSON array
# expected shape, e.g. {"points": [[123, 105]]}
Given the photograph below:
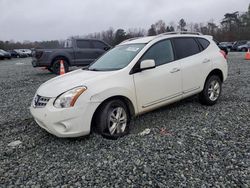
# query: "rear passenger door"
{"points": [[195, 63], [84, 54]]}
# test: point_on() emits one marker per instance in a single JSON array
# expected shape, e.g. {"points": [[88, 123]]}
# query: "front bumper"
{"points": [[66, 122], [38, 63]]}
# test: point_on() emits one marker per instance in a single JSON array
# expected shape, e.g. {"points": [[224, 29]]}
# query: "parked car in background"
{"points": [[14, 54], [28, 52], [6, 55], [1, 56], [227, 45], [238, 43], [137, 76], [223, 48], [76, 52], [244, 47], [21, 53]]}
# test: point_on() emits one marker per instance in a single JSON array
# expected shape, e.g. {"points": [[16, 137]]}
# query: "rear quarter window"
{"points": [[185, 47], [203, 42]]}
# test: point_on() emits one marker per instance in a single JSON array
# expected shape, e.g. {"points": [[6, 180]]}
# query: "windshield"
{"points": [[117, 58]]}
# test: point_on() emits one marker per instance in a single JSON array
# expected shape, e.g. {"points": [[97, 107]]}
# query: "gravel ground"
{"points": [[189, 145]]}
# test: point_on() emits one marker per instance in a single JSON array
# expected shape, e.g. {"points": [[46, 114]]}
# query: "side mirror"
{"points": [[147, 64]]}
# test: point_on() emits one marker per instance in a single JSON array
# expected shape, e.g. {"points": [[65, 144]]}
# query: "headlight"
{"points": [[69, 98]]}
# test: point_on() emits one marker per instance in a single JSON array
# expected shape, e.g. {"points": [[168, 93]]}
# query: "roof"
{"points": [[145, 40]]}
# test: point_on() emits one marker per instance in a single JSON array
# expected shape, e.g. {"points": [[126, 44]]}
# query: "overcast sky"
{"points": [[58, 19]]}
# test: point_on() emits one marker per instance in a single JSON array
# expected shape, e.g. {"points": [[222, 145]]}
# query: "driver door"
{"points": [[160, 85]]}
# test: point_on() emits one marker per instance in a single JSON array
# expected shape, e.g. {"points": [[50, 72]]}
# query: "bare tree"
{"points": [[182, 25]]}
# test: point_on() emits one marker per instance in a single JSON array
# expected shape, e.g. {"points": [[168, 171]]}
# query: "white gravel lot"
{"points": [[190, 145]]}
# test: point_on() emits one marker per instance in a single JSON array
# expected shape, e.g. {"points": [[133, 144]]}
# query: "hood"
{"points": [[60, 84]]}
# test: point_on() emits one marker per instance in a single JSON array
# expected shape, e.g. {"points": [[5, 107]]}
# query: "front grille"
{"points": [[40, 102]]}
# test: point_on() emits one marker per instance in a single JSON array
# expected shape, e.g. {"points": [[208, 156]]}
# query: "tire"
{"points": [[56, 66], [212, 91], [244, 50], [109, 123]]}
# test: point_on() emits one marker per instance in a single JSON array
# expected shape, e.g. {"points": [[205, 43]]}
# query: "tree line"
{"points": [[234, 26]]}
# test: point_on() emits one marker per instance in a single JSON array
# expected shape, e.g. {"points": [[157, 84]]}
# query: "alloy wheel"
{"points": [[117, 121], [214, 90]]}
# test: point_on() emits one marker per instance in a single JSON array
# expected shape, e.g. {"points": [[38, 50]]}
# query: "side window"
{"points": [[185, 47], [204, 43], [68, 44], [99, 45], [83, 44], [161, 52]]}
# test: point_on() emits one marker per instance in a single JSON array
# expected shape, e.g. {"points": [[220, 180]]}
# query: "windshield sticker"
{"points": [[132, 49]]}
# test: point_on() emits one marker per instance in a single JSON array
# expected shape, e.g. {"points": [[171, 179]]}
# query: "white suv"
{"points": [[136, 76]]}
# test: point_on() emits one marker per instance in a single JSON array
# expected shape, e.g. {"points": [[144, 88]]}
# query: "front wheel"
{"points": [[212, 91], [113, 119]]}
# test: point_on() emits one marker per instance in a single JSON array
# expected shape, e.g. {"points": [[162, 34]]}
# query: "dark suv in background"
{"points": [[76, 52]]}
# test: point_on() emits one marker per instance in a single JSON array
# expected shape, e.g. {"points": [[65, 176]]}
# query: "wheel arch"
{"points": [[63, 57], [126, 101], [217, 72]]}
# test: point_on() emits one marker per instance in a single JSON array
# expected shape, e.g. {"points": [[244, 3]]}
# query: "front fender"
{"points": [[115, 92], [59, 54]]}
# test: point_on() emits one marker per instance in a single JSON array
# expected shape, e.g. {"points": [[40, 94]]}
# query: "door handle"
{"points": [[206, 61], [175, 70]]}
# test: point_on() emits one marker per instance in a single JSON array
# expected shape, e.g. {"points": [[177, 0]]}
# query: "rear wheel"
{"points": [[113, 119], [212, 90], [244, 49], [56, 66]]}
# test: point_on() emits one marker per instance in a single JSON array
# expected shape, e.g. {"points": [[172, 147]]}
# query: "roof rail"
{"points": [[180, 32], [129, 39]]}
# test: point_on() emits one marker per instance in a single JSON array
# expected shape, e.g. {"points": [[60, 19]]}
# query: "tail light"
{"points": [[38, 54], [224, 54]]}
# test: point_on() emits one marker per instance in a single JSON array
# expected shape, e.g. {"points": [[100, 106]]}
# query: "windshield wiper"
{"points": [[89, 69]]}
